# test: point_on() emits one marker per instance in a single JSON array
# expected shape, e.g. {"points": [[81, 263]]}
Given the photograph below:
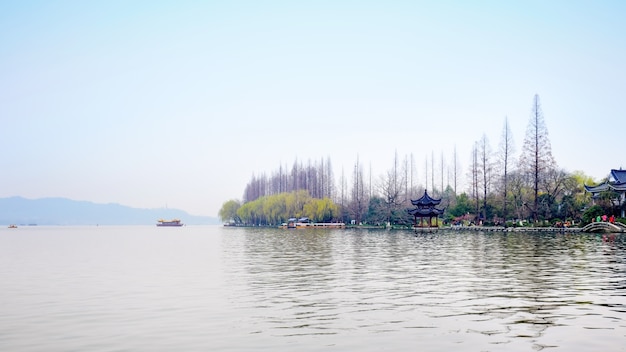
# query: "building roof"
{"points": [[618, 176], [426, 206], [424, 212], [616, 182], [606, 187], [426, 201]]}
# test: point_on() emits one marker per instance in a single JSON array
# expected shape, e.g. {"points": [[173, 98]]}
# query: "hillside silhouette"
{"points": [[63, 211]]}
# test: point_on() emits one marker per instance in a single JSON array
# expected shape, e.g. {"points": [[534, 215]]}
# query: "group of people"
{"points": [[604, 218], [561, 224]]}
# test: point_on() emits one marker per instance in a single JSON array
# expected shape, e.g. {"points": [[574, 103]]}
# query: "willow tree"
{"points": [[228, 212], [536, 160]]}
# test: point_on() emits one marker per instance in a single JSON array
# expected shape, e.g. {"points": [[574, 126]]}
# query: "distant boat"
{"points": [[12, 226], [305, 223], [174, 223]]}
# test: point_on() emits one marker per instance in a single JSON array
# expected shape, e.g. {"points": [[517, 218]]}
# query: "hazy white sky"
{"points": [[178, 103]]}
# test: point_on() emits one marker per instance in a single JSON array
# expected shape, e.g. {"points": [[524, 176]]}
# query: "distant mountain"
{"points": [[62, 211]]}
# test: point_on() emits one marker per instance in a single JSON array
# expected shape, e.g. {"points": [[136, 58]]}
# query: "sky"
{"points": [[177, 104]]}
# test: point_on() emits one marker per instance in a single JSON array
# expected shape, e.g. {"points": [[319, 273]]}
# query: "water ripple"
{"points": [[508, 288], [212, 288]]}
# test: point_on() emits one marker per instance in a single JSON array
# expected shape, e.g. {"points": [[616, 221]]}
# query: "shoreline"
{"points": [[453, 228]]}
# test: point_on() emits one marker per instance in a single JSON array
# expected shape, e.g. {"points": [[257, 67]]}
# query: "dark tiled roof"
{"points": [[619, 176], [426, 212], [599, 188], [616, 182], [426, 200]]}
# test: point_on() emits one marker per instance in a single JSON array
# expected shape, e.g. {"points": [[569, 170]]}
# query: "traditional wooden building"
{"points": [[426, 208], [615, 183]]}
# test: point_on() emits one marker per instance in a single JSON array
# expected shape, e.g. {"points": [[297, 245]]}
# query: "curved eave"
{"points": [[595, 189], [621, 187], [426, 212], [426, 203], [426, 200]]}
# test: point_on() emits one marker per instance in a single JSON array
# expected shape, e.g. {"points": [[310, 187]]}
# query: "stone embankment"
{"points": [[515, 229], [602, 227]]}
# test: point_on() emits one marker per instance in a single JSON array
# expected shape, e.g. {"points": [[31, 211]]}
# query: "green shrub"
{"points": [[592, 213]]}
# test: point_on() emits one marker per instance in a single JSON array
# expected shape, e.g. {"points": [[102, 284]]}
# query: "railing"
{"points": [[620, 225], [604, 227]]}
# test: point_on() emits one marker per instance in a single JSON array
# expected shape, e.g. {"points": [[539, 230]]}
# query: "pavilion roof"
{"points": [[426, 201], [426, 212]]}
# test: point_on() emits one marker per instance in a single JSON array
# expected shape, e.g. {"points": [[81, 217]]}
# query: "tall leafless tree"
{"points": [[343, 190], [474, 171], [442, 167], [485, 169], [392, 187], [536, 159], [413, 177], [432, 169], [505, 155], [406, 176], [426, 171], [455, 170], [359, 201]]}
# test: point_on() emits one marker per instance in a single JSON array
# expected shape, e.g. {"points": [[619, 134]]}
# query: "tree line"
{"points": [[500, 188], [278, 208]]}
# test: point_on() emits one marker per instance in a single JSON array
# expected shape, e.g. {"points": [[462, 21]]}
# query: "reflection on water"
{"points": [[214, 288], [437, 291]]}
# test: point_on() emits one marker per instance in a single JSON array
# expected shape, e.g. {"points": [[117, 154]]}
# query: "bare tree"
{"points": [[455, 170], [426, 171], [517, 186], [505, 155], [358, 204], [442, 167], [391, 188], [413, 177], [485, 168], [432, 169], [406, 176], [329, 179], [343, 186], [536, 159], [554, 184], [473, 173]]}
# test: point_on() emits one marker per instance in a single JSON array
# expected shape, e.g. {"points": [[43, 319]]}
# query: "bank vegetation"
{"points": [[502, 188]]}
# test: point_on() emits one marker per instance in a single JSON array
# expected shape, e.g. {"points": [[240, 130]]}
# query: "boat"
{"points": [[305, 223], [12, 226], [171, 223]]}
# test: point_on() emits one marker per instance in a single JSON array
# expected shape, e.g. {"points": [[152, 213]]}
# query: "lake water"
{"points": [[209, 288]]}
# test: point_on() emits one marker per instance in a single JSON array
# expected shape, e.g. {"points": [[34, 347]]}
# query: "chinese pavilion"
{"points": [[615, 183], [426, 207]]}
